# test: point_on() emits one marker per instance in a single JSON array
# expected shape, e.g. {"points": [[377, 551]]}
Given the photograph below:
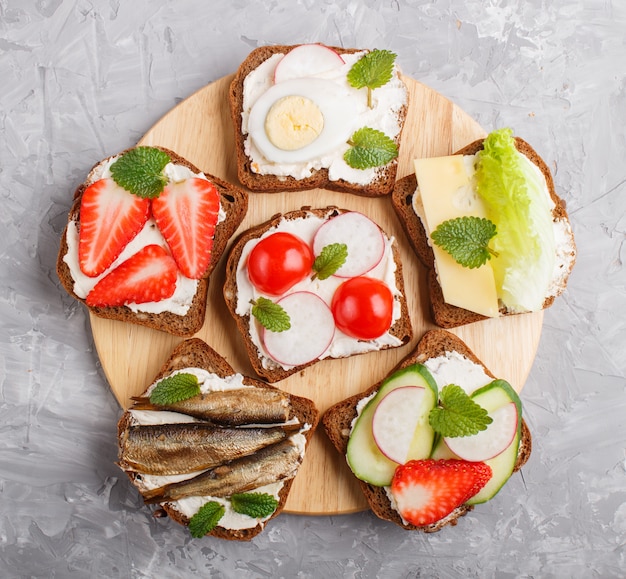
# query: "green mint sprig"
{"points": [[371, 71], [330, 259], [140, 171], [466, 239], [174, 389], [457, 414], [256, 505], [206, 519], [270, 315], [370, 148]]}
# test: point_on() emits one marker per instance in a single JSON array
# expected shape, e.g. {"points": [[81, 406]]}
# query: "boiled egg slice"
{"points": [[299, 120]]}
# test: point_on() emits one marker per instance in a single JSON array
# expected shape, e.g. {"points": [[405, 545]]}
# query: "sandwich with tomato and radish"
{"points": [[315, 284], [439, 435], [144, 233]]}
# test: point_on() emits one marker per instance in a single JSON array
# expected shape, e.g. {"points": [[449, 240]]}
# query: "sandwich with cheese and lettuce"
{"points": [[489, 227]]}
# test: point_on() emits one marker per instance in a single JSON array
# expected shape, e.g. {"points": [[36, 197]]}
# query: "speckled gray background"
{"points": [[83, 79]]}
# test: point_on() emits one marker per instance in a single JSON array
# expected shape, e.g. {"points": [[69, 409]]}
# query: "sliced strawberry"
{"points": [[147, 276], [186, 214], [110, 217], [426, 491]]}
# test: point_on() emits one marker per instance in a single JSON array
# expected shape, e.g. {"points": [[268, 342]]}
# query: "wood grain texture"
{"points": [[200, 129]]}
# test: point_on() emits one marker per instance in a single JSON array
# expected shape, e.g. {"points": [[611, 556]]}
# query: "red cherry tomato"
{"points": [[363, 308], [278, 262]]}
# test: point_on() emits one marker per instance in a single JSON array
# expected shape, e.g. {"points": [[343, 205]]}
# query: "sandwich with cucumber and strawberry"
{"points": [[439, 435], [144, 233], [490, 228], [315, 284]]}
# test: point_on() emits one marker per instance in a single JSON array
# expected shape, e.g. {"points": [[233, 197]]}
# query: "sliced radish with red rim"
{"points": [[312, 330], [490, 442], [363, 237], [307, 60]]}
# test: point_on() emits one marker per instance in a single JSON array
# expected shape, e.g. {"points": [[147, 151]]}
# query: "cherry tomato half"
{"points": [[278, 262], [363, 308]]}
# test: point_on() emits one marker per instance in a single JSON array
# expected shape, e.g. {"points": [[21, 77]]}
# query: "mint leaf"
{"points": [[270, 315], [257, 505], [174, 389], [140, 171], [371, 71], [466, 239], [458, 414], [331, 258], [370, 148], [206, 519]]}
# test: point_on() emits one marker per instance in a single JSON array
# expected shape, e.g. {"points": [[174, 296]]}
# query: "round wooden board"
{"points": [[200, 129]]}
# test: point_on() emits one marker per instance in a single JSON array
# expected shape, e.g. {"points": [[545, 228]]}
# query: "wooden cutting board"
{"points": [[200, 129]]}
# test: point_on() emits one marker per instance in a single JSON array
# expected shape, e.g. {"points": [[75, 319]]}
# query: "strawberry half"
{"points": [[186, 214], [426, 491], [147, 276], [110, 217]]}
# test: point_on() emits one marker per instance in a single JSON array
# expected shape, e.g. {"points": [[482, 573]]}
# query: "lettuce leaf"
{"points": [[514, 192]]}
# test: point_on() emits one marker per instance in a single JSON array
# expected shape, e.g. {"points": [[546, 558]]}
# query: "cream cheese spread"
{"points": [[385, 115], [189, 506], [180, 302], [341, 345]]}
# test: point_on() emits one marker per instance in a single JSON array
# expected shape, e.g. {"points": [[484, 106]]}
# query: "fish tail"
{"points": [[142, 403], [158, 495]]}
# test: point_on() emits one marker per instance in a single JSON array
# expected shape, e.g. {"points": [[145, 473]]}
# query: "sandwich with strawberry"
{"points": [[144, 233], [439, 435]]}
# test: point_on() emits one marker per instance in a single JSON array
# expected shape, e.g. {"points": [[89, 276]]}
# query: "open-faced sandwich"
{"points": [[144, 233], [439, 435], [490, 228], [314, 284], [311, 116], [217, 450]]}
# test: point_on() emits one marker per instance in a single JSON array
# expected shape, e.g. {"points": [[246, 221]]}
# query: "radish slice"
{"points": [[365, 241], [307, 60], [490, 442], [395, 421], [312, 330]]}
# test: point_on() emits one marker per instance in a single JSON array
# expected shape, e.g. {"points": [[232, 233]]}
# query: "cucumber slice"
{"points": [[364, 457], [491, 397]]}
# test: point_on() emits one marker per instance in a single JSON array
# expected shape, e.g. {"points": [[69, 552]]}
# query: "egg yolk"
{"points": [[293, 122]]}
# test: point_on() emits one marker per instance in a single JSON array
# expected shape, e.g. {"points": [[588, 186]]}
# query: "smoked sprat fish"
{"points": [[270, 464], [179, 448], [230, 407]]}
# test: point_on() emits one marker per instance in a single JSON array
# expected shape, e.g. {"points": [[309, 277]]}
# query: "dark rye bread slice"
{"points": [[234, 202], [401, 329], [386, 176], [337, 422], [444, 314], [196, 353]]}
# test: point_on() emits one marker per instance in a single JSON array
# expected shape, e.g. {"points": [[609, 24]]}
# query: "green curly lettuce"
{"points": [[513, 190]]}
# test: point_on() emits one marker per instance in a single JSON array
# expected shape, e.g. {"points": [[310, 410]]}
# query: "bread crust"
{"points": [[234, 202], [401, 329], [319, 179], [337, 423], [194, 352], [446, 315]]}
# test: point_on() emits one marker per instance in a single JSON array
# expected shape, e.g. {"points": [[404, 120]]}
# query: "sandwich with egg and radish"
{"points": [[312, 116], [489, 227], [315, 284], [144, 233], [439, 435], [216, 450]]}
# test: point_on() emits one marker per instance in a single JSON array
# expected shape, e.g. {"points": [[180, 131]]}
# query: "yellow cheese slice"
{"points": [[446, 192]]}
